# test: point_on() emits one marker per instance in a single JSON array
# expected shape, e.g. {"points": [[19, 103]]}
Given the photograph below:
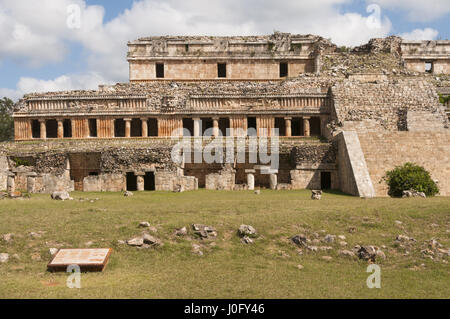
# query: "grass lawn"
{"points": [[228, 269]]}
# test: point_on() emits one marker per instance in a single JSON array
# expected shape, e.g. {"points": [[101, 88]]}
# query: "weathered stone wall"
{"points": [[387, 103], [202, 69], [314, 154], [310, 178], [104, 183], [171, 181], [3, 172], [353, 174], [223, 180], [385, 150]]}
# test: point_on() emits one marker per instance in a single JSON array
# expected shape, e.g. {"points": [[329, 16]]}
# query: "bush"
{"points": [[410, 176]]}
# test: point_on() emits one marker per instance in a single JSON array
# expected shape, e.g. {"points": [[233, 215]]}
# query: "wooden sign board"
{"points": [[86, 259]]}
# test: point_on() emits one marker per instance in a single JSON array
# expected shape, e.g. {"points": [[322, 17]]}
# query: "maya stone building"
{"points": [[344, 117]]}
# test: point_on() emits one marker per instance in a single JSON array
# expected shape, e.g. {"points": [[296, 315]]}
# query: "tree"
{"points": [[6, 120], [410, 177]]}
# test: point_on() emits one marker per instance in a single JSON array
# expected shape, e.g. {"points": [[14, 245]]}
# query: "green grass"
{"points": [[228, 269]]}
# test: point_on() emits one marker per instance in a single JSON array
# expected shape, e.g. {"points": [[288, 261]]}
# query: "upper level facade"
{"points": [[426, 56], [271, 57]]}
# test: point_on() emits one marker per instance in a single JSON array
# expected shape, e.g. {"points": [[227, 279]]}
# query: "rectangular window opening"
{"points": [[283, 69], [92, 128], [160, 70], [222, 70], [429, 67]]}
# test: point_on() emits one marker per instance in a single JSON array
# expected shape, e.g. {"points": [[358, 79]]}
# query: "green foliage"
{"points": [[271, 46], [444, 99], [296, 47], [344, 49], [6, 120], [21, 162], [410, 176]]}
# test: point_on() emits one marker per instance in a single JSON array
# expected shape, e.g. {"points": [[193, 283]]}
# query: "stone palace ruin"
{"points": [[344, 117]]}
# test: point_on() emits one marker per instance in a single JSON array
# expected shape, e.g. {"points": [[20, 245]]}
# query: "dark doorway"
{"points": [[93, 174], [207, 124], [325, 180], [283, 69], [315, 126], [297, 126], [131, 182], [188, 124], [152, 127], [119, 128], [429, 67], [160, 70], [136, 128], [67, 125], [92, 128], [36, 129], [52, 129], [224, 123], [149, 181], [251, 124], [280, 124], [222, 70]]}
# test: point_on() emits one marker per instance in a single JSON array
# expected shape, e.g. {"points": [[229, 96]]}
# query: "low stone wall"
{"points": [[104, 183], [385, 150], [224, 180], [171, 181], [3, 172], [310, 178]]}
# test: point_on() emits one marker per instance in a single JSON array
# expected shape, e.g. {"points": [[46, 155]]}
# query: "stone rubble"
{"points": [[4, 258], [204, 232], [63, 196], [412, 193], [316, 194]]}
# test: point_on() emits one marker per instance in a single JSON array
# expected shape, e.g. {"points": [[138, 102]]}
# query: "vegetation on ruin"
{"points": [[444, 99], [228, 269], [6, 120], [410, 177]]}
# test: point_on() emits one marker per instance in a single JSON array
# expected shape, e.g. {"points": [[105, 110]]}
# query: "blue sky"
{"points": [[40, 52]]}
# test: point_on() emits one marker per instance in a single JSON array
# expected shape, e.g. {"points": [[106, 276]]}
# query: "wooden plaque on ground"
{"points": [[86, 259]]}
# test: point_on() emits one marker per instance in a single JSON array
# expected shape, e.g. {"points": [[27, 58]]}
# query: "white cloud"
{"points": [[81, 81], [420, 34], [36, 32], [417, 10]]}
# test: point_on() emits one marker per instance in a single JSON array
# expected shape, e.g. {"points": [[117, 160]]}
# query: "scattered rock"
{"points": [[196, 249], [258, 192], [61, 196], [433, 244], [370, 253], [128, 194], [178, 189], [413, 193], [342, 243], [330, 238], [4, 258], [404, 239], [36, 257], [325, 248], [152, 241], [397, 222], [53, 251], [8, 237], [138, 241], [247, 230], [351, 229], [347, 253], [316, 194], [181, 232], [144, 224], [247, 240], [89, 243], [204, 232], [300, 267], [312, 248], [327, 258], [121, 242], [34, 235], [342, 237], [300, 240]]}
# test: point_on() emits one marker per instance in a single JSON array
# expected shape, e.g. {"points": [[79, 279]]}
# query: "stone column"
{"points": [[127, 127], [43, 129], [273, 181], [288, 126], [60, 128], [31, 183], [306, 126], [144, 127], [250, 179], [197, 125], [11, 184], [216, 127], [140, 183]]}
